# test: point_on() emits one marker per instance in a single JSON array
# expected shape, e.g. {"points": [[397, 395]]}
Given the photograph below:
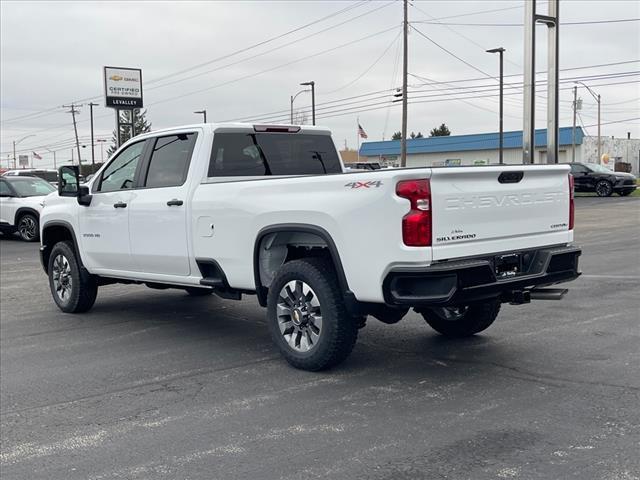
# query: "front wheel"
{"points": [[28, 227], [74, 290], [604, 188], [307, 317], [463, 321]]}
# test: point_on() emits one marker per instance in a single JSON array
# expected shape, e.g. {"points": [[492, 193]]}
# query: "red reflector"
{"points": [[416, 225], [572, 207]]}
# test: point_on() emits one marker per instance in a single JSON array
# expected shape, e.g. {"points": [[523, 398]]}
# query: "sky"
{"points": [[244, 60]]}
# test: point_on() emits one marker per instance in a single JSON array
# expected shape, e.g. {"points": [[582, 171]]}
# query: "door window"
{"points": [[5, 191], [120, 173], [169, 161]]}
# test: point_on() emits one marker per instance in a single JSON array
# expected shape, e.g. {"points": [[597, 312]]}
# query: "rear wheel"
{"points": [[28, 227], [307, 316], [463, 321], [604, 188], [74, 290]]}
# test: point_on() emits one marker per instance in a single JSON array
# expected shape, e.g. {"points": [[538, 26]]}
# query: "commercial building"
{"points": [[483, 149]]}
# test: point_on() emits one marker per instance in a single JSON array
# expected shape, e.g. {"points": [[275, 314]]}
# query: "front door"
{"points": [[8, 204], [158, 213], [104, 225]]}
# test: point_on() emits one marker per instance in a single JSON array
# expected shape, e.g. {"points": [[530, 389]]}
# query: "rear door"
{"points": [[158, 213], [479, 210]]}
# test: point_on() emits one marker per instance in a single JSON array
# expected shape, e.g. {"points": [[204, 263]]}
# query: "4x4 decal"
{"points": [[375, 184]]}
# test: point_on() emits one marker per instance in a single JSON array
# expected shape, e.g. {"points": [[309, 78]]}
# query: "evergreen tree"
{"points": [[396, 136], [140, 125], [441, 131], [419, 135]]}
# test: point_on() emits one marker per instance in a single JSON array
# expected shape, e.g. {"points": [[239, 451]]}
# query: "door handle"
{"points": [[175, 202], [120, 205]]}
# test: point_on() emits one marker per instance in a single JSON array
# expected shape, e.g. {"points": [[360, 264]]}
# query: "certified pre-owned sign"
{"points": [[123, 87]]}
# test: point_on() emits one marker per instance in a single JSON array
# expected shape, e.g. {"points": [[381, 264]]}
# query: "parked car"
{"points": [[50, 176], [21, 202], [591, 177], [363, 166], [238, 209]]}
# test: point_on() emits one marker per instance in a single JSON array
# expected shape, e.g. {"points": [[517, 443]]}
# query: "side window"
{"points": [[169, 161], [236, 154], [4, 190], [120, 173]]}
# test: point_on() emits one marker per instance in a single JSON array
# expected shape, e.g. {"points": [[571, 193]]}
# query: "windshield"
{"points": [[31, 186], [45, 175], [597, 168]]}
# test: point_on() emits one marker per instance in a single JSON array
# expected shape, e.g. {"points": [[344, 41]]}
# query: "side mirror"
{"points": [[68, 181], [69, 185]]}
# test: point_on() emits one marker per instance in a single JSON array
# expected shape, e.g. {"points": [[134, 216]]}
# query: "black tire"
{"points": [[82, 289], [336, 337], [198, 292], [625, 193], [604, 188], [29, 227], [463, 321]]}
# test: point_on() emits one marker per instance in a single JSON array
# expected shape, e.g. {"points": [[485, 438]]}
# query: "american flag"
{"points": [[35, 155], [361, 132]]}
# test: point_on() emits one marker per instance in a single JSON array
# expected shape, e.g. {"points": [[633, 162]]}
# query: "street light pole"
{"points": [[501, 51], [204, 114], [312, 84], [14, 148], [573, 135], [292, 99], [405, 65], [54, 156]]}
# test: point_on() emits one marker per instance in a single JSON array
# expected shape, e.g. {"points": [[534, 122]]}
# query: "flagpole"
{"points": [[358, 136]]}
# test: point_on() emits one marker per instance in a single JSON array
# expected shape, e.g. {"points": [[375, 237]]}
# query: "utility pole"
{"points": [[405, 64], [93, 157], [73, 112], [599, 129], [573, 132], [500, 50]]}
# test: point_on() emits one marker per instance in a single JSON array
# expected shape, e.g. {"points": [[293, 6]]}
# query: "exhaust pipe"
{"points": [[548, 293]]}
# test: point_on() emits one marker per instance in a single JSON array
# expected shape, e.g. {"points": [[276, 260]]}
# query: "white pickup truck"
{"points": [[268, 210]]}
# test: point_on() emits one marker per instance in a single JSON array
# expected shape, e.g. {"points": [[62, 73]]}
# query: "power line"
{"points": [[271, 50], [564, 24], [368, 69], [242, 50]]}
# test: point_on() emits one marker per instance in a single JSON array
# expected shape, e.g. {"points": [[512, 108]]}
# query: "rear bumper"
{"points": [[461, 282]]}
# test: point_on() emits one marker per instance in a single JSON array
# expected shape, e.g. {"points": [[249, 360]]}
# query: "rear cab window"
{"points": [[243, 154]]}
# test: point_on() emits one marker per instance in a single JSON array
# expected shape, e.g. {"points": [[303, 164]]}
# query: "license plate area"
{"points": [[507, 266]]}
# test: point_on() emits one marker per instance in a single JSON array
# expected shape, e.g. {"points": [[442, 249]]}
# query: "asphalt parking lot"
{"points": [[158, 385]]}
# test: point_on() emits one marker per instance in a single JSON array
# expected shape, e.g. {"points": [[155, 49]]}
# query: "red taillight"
{"points": [[416, 225], [572, 207]]}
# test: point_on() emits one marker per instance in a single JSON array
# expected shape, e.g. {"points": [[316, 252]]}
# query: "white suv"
{"points": [[21, 201]]}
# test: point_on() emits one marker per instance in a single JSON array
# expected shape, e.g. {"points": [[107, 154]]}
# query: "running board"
{"points": [[548, 293]]}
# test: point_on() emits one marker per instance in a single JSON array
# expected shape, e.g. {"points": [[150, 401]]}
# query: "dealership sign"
{"points": [[123, 87]]}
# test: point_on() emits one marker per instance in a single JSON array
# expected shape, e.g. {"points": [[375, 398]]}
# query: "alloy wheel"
{"points": [[28, 228], [62, 280], [299, 316]]}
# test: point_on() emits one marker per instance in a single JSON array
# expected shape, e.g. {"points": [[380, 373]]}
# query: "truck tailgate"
{"points": [[479, 210]]}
